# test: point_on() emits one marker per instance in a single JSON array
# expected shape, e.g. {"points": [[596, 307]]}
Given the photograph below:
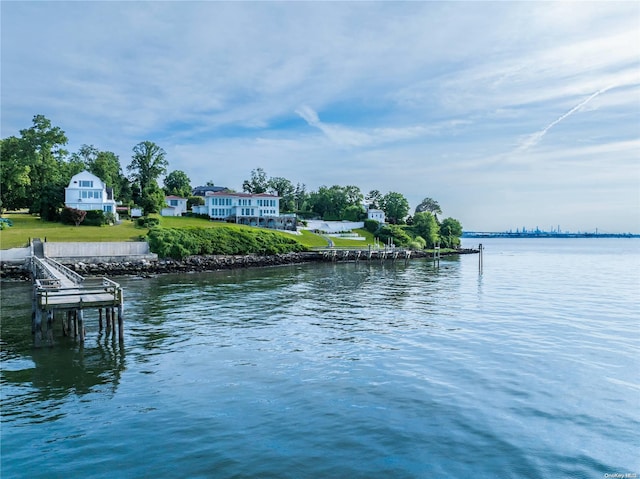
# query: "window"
{"points": [[173, 202], [85, 184]]}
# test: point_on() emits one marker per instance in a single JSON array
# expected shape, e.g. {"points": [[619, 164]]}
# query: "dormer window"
{"points": [[86, 183]]}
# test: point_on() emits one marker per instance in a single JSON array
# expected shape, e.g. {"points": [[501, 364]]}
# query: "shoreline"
{"points": [[193, 264]]}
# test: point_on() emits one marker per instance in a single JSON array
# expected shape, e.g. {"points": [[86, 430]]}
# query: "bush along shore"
{"points": [[191, 264]]}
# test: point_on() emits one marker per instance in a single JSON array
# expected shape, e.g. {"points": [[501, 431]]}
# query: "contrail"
{"points": [[536, 137]]}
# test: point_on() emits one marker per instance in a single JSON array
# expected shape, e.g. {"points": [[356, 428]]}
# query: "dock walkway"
{"points": [[57, 288]]}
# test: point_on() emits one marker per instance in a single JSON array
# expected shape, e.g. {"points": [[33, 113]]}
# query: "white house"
{"points": [[176, 205], [377, 215], [88, 192], [260, 209]]}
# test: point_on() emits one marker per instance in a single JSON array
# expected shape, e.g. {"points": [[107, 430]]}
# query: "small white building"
{"points": [[88, 192], [176, 206], [377, 215]]}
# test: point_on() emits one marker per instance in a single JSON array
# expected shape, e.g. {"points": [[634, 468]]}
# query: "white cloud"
{"points": [[441, 99]]}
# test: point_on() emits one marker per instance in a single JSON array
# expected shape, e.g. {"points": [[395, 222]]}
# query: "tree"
{"points": [[374, 197], [300, 197], [395, 207], [425, 226], [354, 195], [450, 232], [285, 190], [14, 175], [177, 183], [73, 215], [42, 150], [147, 163], [258, 182], [430, 205], [152, 198], [328, 203]]}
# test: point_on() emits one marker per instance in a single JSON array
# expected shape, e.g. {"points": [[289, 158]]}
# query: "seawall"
{"points": [[143, 266]]}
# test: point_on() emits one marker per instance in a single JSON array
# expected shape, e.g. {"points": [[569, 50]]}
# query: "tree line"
{"points": [[35, 168]]}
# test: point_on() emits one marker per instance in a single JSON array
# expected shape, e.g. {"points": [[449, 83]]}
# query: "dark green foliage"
{"points": [[450, 232], [179, 243], [194, 200], [371, 225], [147, 222], [425, 226], [94, 218], [396, 233]]}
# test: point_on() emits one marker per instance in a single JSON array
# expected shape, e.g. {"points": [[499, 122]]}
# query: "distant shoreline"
{"points": [[549, 235]]}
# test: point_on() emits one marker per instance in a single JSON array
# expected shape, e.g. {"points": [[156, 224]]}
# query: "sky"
{"points": [[509, 114]]}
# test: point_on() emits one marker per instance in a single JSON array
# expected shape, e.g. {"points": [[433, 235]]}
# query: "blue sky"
{"points": [[509, 114]]}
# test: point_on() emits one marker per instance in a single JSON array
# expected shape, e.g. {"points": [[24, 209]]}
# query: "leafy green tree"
{"points": [[430, 205], [354, 195], [147, 164], [353, 213], [329, 203], [152, 199], [425, 226], [258, 182], [395, 207], [50, 200], [177, 183], [394, 234], [194, 201], [450, 232], [300, 197], [42, 150], [14, 175], [283, 188], [374, 198]]}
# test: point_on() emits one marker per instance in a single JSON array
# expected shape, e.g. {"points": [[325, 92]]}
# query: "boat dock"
{"points": [[60, 290], [369, 254]]}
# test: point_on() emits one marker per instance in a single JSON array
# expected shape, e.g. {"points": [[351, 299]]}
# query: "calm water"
{"points": [[367, 370]]}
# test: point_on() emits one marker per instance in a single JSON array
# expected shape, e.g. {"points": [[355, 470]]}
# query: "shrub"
{"points": [[396, 233], [72, 216], [179, 243], [417, 243], [147, 222], [371, 225], [94, 218]]}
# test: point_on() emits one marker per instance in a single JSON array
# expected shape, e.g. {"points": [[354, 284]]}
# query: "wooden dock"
{"points": [[368, 254], [57, 289]]}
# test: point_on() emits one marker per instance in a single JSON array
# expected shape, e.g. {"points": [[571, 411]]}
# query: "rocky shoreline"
{"points": [[191, 264]]}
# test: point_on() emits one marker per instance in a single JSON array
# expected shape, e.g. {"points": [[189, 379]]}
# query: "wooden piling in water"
{"points": [[38, 328], [81, 331], [120, 322], [50, 326]]}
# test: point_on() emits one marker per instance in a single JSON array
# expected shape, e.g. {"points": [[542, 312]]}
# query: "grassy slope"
{"points": [[26, 226]]}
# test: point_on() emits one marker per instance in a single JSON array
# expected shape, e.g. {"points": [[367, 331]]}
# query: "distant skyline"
{"points": [[509, 114]]}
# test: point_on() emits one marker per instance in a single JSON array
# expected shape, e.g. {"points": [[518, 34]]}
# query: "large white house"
{"points": [[260, 209], [176, 205], [88, 192]]}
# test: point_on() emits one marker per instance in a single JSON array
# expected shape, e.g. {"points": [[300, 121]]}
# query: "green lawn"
{"points": [[26, 226]]}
